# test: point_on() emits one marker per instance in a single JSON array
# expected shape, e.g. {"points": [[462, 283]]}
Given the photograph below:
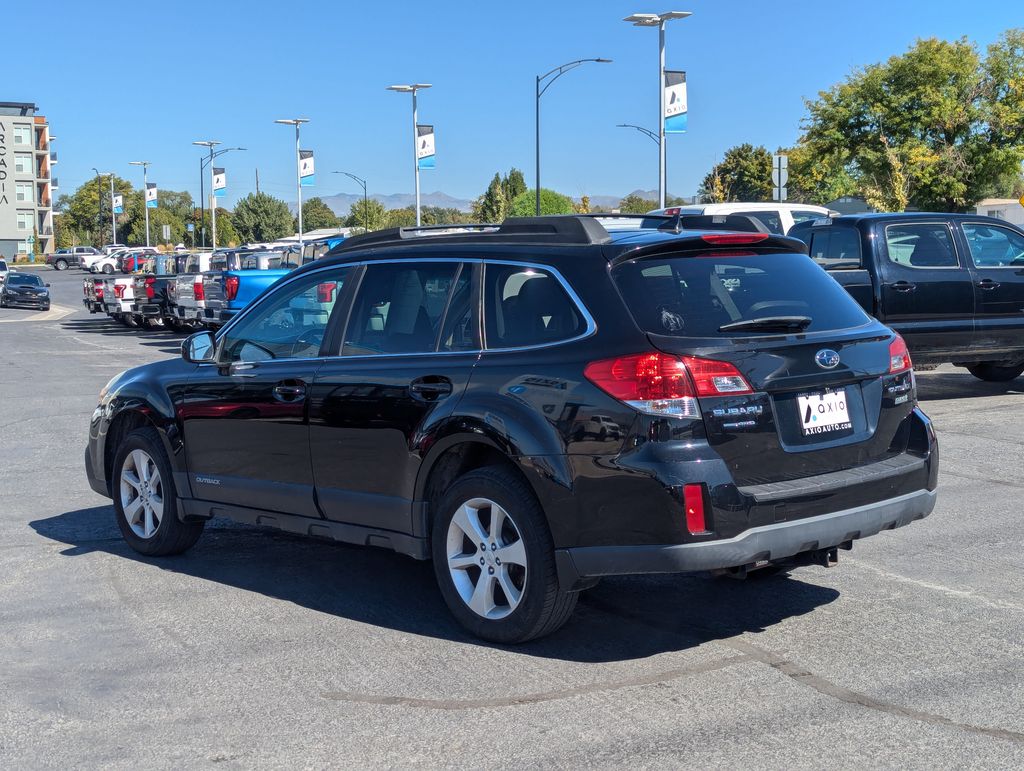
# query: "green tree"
{"points": [[744, 174], [439, 215], [261, 217], [583, 207], [226, 233], [136, 233], [493, 205], [368, 214], [939, 127], [635, 204], [316, 214], [513, 184], [80, 211], [551, 202], [400, 218], [814, 180]]}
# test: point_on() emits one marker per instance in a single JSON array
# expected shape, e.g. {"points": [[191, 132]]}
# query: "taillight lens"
{"points": [[150, 292], [734, 238], [231, 287], [899, 356], [99, 292], [325, 291], [197, 290], [660, 384]]}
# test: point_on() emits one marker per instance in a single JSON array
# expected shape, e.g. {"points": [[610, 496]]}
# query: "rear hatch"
{"points": [[792, 378], [184, 292], [213, 290]]}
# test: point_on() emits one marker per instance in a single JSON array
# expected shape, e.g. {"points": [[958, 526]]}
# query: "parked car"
{"points": [[378, 396], [92, 294], [70, 257], [4, 270], [24, 290], [777, 217], [227, 290], [114, 261], [111, 248], [90, 259], [951, 284]]}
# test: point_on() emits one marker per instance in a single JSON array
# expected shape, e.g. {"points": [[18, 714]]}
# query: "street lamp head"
{"points": [[603, 61], [406, 88], [138, 163], [655, 19], [207, 143], [292, 121]]}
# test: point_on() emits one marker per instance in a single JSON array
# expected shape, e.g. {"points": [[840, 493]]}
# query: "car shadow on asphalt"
{"points": [[167, 340], [932, 386], [620, 619]]}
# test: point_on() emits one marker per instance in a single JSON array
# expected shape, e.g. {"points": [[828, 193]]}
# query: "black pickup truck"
{"points": [[154, 289], [951, 284]]}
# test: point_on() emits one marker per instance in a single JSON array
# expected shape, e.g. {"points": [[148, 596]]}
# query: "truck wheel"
{"points": [[145, 501], [60, 265], [494, 559], [995, 373]]}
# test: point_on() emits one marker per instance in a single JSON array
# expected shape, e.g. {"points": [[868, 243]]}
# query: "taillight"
{"points": [[197, 290], [899, 356], [671, 211], [150, 292], [693, 503], [99, 292], [661, 384], [325, 291], [231, 287], [734, 238]]}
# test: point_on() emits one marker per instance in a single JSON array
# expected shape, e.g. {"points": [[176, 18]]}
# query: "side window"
{"points": [[398, 308], [770, 219], [802, 215], [527, 306], [993, 246], [289, 324], [921, 245], [836, 248]]}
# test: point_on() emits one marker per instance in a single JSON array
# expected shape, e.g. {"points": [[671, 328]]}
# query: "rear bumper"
{"points": [[147, 310], [767, 542]]}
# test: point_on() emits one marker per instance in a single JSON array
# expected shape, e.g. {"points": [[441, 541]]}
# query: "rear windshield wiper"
{"points": [[768, 322]]}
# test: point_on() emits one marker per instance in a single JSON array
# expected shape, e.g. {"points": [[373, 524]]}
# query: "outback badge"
{"points": [[826, 358]]}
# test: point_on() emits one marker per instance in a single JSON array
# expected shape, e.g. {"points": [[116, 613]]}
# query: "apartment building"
{"points": [[26, 182]]}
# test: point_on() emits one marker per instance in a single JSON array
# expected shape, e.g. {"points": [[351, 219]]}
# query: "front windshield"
{"points": [[23, 280]]}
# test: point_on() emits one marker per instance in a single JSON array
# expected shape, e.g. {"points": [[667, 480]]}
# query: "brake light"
{"points": [[150, 292], [734, 238], [660, 384], [231, 287], [899, 356], [693, 503], [197, 290], [671, 211], [325, 291], [99, 292]]}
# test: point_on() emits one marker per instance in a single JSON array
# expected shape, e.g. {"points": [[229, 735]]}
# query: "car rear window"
{"points": [[695, 296]]}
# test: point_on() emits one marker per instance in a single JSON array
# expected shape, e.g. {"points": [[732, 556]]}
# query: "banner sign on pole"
{"points": [[151, 195], [307, 171], [780, 176], [220, 181], [425, 147], [118, 204], [167, 232], [675, 102]]}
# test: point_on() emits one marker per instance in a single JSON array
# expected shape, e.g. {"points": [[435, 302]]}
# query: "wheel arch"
{"points": [[128, 417]]}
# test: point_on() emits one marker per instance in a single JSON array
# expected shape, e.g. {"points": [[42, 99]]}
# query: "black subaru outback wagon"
{"points": [[438, 393]]}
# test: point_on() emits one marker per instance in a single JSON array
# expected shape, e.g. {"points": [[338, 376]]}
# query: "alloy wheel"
{"points": [[142, 493], [486, 558]]}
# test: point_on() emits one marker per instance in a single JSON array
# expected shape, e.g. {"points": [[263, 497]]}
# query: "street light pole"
{"points": [[297, 122], [413, 88], [145, 187], [113, 214], [557, 72], [659, 21], [99, 203], [210, 143], [366, 202], [642, 130]]}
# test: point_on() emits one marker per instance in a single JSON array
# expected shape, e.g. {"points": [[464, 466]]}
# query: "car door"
{"points": [[927, 290], [406, 356], [244, 418], [997, 260]]}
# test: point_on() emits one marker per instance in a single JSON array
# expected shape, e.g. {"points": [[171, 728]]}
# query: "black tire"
{"points": [[172, 536], [991, 372], [108, 269], [60, 265], [544, 607]]}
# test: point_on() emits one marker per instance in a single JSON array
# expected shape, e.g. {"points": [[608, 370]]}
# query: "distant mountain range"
{"points": [[341, 203]]}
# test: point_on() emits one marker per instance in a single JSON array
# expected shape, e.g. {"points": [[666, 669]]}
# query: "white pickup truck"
{"points": [[189, 296], [118, 297]]}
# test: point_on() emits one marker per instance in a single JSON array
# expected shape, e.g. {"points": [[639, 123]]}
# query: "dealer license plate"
{"points": [[824, 412]]}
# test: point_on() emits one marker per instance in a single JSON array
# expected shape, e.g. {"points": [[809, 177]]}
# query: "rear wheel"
{"points": [[61, 265], [145, 501], [108, 269], [494, 559], [995, 373]]}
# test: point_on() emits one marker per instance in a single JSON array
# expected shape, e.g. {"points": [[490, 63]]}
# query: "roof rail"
{"points": [[558, 229]]}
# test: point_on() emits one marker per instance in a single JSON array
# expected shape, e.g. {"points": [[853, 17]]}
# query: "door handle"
{"points": [[430, 388], [289, 392], [903, 286], [987, 284], [242, 370]]}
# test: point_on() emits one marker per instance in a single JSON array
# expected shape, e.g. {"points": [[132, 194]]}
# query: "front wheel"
{"points": [[991, 372], [145, 501], [494, 559]]}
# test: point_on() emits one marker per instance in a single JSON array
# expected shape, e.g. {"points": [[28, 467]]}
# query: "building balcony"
{"points": [[53, 157], [53, 183]]}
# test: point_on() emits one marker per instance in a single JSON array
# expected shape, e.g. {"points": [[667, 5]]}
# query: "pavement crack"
{"points": [[980, 478], [537, 698]]}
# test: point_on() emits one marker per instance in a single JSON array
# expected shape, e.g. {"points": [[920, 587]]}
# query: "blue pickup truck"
{"points": [[232, 284]]}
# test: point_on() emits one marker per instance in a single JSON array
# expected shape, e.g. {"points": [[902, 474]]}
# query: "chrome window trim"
{"points": [[970, 252]]}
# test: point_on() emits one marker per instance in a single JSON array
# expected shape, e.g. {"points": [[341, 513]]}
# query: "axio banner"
{"points": [[675, 102], [425, 147], [307, 171], [118, 204], [220, 181], [151, 195]]}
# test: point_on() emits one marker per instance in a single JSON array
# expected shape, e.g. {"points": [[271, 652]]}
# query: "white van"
{"points": [[777, 217]]}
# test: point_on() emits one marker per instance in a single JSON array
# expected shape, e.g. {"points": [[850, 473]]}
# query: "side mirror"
{"points": [[47, 285], [199, 348]]}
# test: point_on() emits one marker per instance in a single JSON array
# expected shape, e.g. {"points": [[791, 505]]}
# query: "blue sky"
{"points": [[123, 81]]}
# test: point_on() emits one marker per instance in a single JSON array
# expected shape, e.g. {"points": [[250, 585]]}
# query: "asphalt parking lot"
{"points": [[262, 649]]}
